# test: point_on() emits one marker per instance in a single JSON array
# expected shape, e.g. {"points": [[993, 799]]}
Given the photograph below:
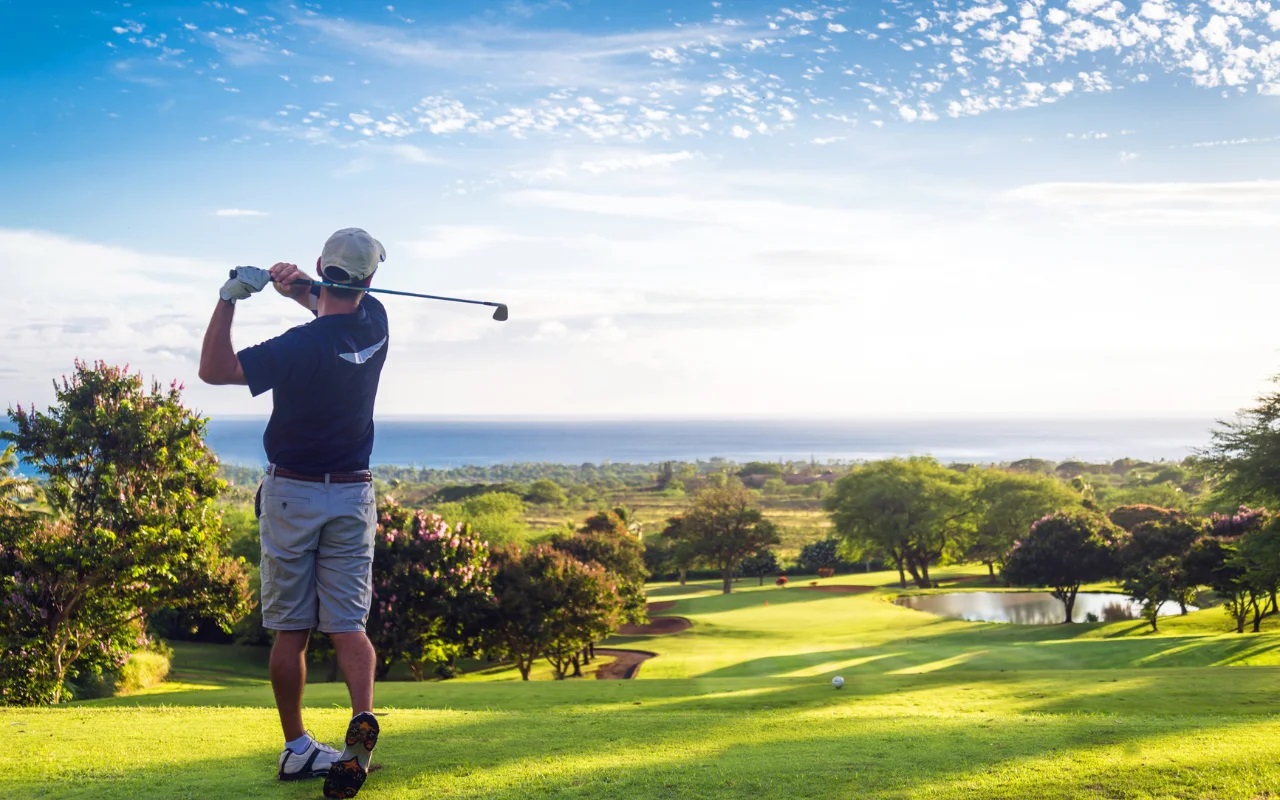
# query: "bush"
{"points": [[498, 517], [546, 492], [1130, 517], [816, 556], [144, 669]]}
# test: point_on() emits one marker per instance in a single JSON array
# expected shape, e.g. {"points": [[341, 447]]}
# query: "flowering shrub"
{"points": [[782, 581], [1245, 520], [431, 585]]}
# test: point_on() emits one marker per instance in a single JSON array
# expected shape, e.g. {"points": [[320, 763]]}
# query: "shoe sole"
{"points": [[346, 777]]}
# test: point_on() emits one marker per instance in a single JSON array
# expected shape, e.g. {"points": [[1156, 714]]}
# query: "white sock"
{"points": [[299, 745]]}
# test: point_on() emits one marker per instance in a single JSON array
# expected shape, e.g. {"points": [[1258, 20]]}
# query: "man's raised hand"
{"points": [[244, 282], [289, 280]]}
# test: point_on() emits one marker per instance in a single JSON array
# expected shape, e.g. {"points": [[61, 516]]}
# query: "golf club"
{"points": [[500, 314]]}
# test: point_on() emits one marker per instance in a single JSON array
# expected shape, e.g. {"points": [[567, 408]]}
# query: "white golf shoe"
{"points": [[314, 762]]}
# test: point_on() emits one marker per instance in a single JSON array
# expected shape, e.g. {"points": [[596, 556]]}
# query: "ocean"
{"points": [[442, 443]]}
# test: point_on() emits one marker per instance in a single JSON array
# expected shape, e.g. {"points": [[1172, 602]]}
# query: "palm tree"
{"points": [[13, 487]]}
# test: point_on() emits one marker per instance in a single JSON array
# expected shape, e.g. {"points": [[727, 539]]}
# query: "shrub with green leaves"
{"points": [[131, 485], [431, 583]]}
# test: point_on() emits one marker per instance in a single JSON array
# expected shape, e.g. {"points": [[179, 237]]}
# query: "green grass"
{"points": [[740, 705]]}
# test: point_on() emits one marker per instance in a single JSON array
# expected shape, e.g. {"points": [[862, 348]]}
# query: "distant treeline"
{"points": [[1185, 476]]}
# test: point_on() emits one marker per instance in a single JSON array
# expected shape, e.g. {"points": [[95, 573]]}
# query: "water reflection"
{"points": [[1029, 608]]}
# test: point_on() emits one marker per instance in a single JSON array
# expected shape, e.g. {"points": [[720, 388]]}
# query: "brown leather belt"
{"points": [[363, 476]]}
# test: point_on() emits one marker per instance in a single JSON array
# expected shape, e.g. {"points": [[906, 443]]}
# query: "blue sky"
{"points": [[1057, 207]]}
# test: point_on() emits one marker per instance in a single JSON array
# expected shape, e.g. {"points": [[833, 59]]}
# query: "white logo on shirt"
{"points": [[365, 354]]}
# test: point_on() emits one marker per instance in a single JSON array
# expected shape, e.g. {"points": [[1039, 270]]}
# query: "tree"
{"points": [[676, 549], [760, 469], [546, 492], [605, 540], [431, 583], [1212, 562], [547, 604], [612, 522], [1243, 457], [133, 529], [1257, 560], [496, 516], [1151, 559], [1062, 551], [724, 526], [913, 510], [1161, 494], [1033, 465], [819, 555], [761, 564], [1154, 584], [1007, 505], [1130, 517]]}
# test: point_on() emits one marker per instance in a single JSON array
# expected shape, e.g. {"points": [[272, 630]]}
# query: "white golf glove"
{"points": [[244, 282]]}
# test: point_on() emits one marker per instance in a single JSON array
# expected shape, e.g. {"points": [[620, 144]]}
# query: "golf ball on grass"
{"points": [[837, 682]]}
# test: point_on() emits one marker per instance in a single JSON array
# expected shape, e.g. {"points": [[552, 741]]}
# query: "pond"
{"points": [[1029, 608]]}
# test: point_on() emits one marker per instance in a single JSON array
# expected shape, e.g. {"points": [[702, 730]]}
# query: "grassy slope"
{"points": [[738, 706]]}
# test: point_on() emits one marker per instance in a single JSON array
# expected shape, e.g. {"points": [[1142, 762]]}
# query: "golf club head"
{"points": [[501, 314]]}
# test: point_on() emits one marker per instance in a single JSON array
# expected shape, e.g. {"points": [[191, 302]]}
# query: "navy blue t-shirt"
{"points": [[325, 378]]}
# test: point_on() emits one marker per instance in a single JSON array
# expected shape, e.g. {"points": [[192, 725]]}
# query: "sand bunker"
{"points": [[657, 626], [659, 606], [625, 664]]}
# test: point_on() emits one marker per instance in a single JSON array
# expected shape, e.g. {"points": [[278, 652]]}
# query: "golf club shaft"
{"points": [[403, 294], [499, 315]]}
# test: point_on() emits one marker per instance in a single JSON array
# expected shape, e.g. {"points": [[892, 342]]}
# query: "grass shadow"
{"points": [[725, 744]]}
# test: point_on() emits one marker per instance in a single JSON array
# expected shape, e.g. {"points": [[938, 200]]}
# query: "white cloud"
{"points": [[239, 212], [692, 79], [1211, 204], [160, 307], [635, 161]]}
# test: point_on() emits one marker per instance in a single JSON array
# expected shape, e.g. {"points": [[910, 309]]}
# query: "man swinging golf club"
{"points": [[316, 506]]}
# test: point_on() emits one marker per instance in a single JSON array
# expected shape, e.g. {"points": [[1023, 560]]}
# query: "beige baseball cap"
{"points": [[350, 256]]}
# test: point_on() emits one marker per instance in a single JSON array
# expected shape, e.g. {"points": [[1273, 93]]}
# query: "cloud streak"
{"points": [[1207, 203]]}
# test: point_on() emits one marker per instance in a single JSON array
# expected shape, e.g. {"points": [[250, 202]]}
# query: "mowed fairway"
{"points": [[739, 705]]}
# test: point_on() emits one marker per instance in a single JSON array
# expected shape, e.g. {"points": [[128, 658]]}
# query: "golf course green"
{"points": [[740, 704]]}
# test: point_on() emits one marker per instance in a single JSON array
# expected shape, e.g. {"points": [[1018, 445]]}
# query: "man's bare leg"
{"points": [[289, 678], [357, 661]]}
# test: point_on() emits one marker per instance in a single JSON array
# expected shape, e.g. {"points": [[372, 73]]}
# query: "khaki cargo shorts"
{"points": [[317, 554]]}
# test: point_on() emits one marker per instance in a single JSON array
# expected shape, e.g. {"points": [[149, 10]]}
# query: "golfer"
{"points": [[315, 506]]}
